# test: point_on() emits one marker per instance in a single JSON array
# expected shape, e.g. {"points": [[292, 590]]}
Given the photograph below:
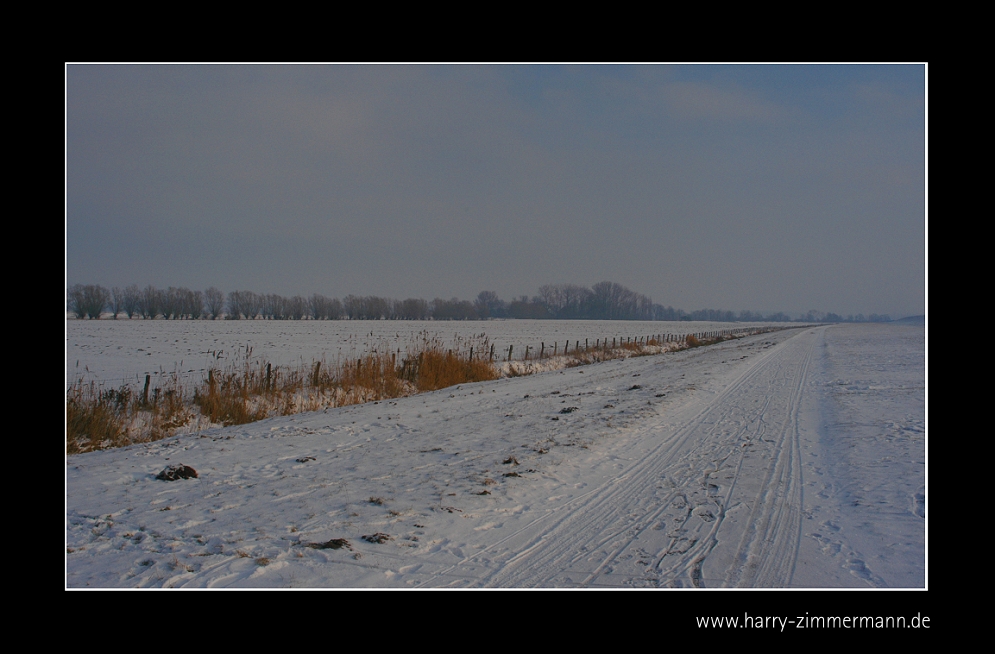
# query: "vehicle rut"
{"points": [[714, 501]]}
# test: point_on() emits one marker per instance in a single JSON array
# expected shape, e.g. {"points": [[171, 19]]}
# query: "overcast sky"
{"points": [[770, 188]]}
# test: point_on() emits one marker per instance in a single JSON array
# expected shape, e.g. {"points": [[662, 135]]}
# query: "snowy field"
{"points": [[794, 459], [124, 351]]}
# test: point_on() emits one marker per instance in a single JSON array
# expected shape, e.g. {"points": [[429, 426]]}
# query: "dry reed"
{"points": [[437, 366], [92, 418], [246, 390], [98, 418]]}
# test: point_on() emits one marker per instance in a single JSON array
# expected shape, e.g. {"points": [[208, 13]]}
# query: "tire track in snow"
{"points": [[768, 547], [659, 521]]}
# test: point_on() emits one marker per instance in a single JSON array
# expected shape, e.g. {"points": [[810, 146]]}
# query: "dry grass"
{"points": [[692, 341], [438, 369], [230, 407], [249, 391], [373, 377], [98, 418], [226, 396], [639, 348], [431, 365], [92, 419], [246, 390]]}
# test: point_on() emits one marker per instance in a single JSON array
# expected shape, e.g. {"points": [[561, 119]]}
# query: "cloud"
{"points": [[698, 100]]}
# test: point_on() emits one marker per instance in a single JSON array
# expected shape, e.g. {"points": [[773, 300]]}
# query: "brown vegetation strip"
{"points": [[247, 391]]}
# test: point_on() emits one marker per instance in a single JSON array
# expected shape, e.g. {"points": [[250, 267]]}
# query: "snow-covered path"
{"points": [[709, 494], [792, 459]]}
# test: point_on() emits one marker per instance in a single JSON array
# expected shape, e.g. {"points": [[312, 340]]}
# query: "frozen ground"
{"points": [[790, 459], [124, 351]]}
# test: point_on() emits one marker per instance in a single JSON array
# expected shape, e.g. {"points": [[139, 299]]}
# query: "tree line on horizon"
{"points": [[601, 301]]}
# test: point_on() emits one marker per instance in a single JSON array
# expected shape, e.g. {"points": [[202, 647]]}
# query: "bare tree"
{"points": [[243, 303], [315, 307], [454, 309], [87, 301], [76, 301], [566, 300], [253, 304], [613, 301], [489, 305], [296, 307], [214, 301], [193, 303], [335, 309], [378, 308], [322, 308], [524, 308], [131, 300], [273, 306], [412, 309], [149, 302], [171, 303], [353, 307], [235, 305], [117, 301]]}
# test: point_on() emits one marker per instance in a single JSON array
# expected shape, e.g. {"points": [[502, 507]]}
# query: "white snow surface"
{"points": [[122, 351], [794, 459]]}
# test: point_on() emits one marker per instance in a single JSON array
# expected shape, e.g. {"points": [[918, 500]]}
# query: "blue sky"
{"points": [[760, 187]]}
